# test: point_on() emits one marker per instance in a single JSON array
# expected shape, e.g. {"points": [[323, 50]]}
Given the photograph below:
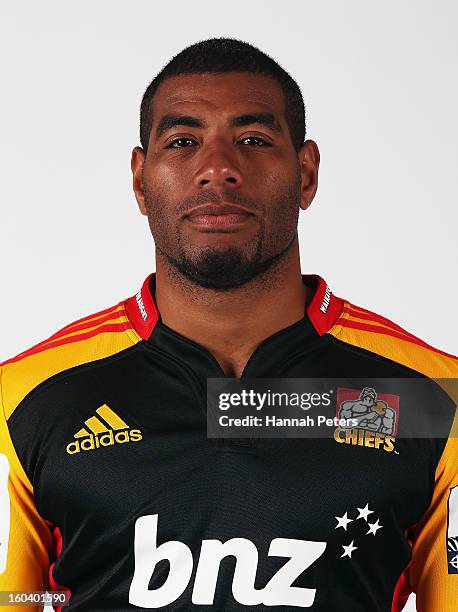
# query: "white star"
{"points": [[364, 512], [348, 550], [342, 521], [374, 527]]}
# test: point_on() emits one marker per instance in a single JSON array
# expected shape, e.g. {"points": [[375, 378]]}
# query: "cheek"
{"points": [[279, 175], [282, 194], [157, 193], [161, 180], [161, 186]]}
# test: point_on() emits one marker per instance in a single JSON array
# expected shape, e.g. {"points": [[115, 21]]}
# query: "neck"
{"points": [[231, 324]]}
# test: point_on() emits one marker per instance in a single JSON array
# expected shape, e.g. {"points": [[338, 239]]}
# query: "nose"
{"points": [[218, 168]]}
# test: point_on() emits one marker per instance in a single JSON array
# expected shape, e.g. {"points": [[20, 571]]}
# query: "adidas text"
{"points": [[110, 438]]}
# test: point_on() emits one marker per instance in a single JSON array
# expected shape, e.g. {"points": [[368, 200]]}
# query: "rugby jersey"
{"points": [[112, 491]]}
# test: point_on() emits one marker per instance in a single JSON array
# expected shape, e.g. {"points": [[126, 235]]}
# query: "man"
{"points": [[117, 496]]}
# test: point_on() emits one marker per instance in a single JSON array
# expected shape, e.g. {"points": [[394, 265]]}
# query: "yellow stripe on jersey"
{"points": [[29, 543], [116, 317], [436, 589], [401, 350]]}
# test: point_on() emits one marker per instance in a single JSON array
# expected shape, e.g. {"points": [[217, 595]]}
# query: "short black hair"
{"points": [[220, 55]]}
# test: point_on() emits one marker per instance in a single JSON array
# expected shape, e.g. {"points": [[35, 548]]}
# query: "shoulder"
{"points": [[95, 336], [368, 330]]}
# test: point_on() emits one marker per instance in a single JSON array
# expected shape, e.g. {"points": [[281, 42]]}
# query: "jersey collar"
{"points": [[322, 311]]}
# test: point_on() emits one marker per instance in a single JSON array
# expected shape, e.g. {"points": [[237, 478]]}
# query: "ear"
{"points": [[136, 163], [309, 161]]}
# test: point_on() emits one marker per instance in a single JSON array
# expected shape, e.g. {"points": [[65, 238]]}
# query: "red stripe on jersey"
{"points": [[362, 313], [111, 313], [117, 327], [390, 332], [52, 583], [402, 590], [101, 313], [84, 325]]}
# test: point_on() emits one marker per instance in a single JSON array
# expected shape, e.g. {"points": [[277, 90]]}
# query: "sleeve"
{"points": [[25, 537], [433, 571]]}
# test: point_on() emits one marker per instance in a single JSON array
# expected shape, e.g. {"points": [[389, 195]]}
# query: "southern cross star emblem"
{"points": [[348, 549], [364, 512], [374, 527], [344, 520]]}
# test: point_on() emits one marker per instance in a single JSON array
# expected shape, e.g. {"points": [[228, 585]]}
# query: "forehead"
{"points": [[229, 92]]}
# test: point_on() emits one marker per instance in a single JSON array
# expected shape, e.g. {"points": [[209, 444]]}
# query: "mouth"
{"points": [[218, 215]]}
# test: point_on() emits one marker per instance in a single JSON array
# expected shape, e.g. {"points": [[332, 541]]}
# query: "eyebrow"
{"points": [[169, 121], [266, 119]]}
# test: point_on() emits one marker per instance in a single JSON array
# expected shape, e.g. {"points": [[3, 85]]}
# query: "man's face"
{"points": [[221, 183]]}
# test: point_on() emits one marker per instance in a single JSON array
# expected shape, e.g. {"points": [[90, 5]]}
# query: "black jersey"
{"points": [[113, 492]]}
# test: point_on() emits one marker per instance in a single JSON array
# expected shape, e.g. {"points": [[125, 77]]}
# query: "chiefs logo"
{"points": [[374, 417]]}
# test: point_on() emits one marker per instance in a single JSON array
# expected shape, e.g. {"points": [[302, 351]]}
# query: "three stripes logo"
{"points": [[107, 430]]}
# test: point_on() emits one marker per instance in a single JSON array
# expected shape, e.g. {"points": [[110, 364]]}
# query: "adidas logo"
{"points": [[100, 434]]}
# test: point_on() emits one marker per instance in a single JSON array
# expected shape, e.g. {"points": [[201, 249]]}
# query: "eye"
{"points": [[180, 143], [255, 141]]}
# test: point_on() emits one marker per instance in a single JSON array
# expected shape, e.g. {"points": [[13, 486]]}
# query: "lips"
{"points": [[218, 209], [218, 215]]}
